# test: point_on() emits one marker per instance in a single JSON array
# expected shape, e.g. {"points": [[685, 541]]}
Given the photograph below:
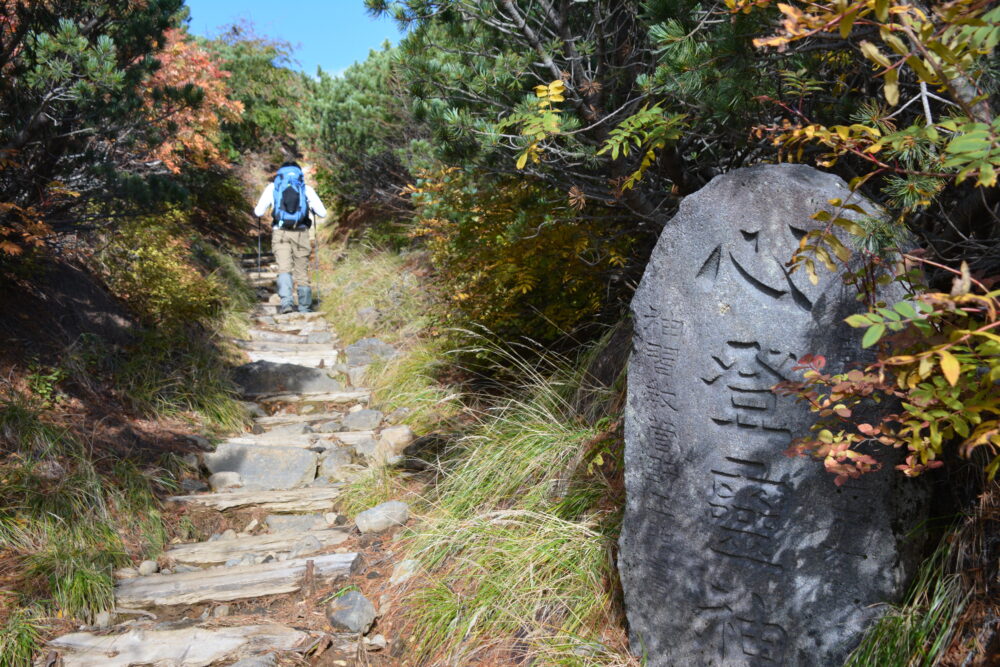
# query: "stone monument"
{"points": [[732, 553]]}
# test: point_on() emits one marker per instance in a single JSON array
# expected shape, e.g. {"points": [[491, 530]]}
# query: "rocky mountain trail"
{"points": [[277, 574]]}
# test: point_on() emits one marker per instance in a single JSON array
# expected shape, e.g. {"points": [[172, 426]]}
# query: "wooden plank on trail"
{"points": [[184, 647], [224, 584], [340, 397], [281, 500], [219, 551]]}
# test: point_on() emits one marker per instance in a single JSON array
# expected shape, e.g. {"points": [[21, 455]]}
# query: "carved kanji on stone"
{"points": [[731, 553]]}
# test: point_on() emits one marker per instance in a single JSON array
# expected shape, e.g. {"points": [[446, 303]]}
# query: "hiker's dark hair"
{"points": [[290, 163]]}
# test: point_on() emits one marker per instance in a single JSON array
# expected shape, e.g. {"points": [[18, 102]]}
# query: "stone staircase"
{"points": [[256, 593]]}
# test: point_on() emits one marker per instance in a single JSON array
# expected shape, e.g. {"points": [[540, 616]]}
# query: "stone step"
{"points": [[311, 418], [310, 360], [303, 347], [280, 501], [305, 440], [304, 328], [336, 397], [263, 335], [263, 378], [225, 584], [187, 647], [216, 552]]}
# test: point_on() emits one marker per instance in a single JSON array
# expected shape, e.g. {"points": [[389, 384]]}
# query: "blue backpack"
{"points": [[290, 207]]}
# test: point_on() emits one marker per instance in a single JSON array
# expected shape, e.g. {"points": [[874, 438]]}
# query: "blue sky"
{"points": [[328, 33]]}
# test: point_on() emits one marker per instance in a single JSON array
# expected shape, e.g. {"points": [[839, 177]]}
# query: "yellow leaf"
{"points": [[896, 44], [892, 87], [522, 159], [871, 52], [950, 367]]}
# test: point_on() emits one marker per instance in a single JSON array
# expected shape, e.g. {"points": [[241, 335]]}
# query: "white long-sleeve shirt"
{"points": [[266, 201]]}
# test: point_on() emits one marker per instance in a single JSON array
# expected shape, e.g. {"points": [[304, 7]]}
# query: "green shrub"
{"points": [[148, 263], [512, 256]]}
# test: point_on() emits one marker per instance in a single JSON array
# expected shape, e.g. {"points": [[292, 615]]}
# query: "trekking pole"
{"points": [[316, 262], [258, 248]]}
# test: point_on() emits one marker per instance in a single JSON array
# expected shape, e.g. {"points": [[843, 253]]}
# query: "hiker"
{"points": [[291, 201]]}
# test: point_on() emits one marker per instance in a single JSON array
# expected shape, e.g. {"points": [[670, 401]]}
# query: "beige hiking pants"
{"points": [[291, 249]]}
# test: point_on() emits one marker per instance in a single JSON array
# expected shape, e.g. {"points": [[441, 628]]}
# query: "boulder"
{"points": [[264, 468], [265, 378], [383, 517], [367, 350], [351, 612], [222, 481], [404, 571], [362, 420], [356, 375], [392, 442], [331, 426], [148, 567], [732, 553], [330, 466], [365, 447]]}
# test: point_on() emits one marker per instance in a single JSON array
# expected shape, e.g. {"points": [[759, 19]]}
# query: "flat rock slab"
{"points": [[187, 647], [286, 500], [265, 467], [224, 584], [264, 378], [217, 552], [732, 553]]}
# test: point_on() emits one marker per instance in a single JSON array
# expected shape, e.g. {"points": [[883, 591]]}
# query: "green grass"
{"points": [[364, 277], [20, 635], [169, 374], [513, 534], [412, 381], [68, 518]]}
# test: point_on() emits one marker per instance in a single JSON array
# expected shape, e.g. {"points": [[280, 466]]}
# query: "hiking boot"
{"points": [[285, 309], [305, 298]]}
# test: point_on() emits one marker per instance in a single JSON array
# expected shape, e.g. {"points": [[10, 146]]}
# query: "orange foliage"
{"points": [[192, 132]]}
